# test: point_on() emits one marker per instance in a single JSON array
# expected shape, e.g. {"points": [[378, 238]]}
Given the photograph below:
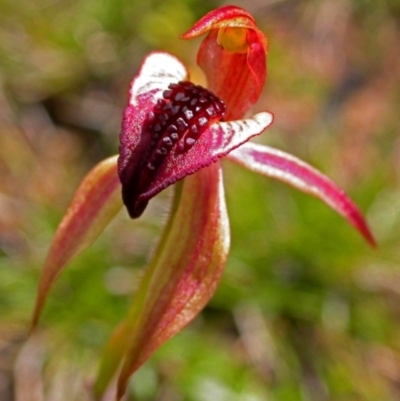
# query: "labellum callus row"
{"points": [[175, 123], [179, 119]]}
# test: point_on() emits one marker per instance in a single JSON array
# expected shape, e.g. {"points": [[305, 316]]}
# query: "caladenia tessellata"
{"points": [[176, 132]]}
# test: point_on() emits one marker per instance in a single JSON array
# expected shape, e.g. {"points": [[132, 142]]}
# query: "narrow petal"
{"points": [[217, 141], [95, 203], [185, 271], [233, 57], [285, 167]]}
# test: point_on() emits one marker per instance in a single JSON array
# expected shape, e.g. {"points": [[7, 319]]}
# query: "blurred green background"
{"points": [[306, 310]]}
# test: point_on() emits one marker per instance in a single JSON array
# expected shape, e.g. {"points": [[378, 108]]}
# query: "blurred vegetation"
{"points": [[306, 311]]}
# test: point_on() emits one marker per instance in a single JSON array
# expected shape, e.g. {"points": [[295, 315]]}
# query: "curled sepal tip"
{"points": [[232, 56], [95, 203], [291, 170]]}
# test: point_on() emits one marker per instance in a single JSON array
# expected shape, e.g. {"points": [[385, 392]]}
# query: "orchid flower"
{"points": [[175, 131]]}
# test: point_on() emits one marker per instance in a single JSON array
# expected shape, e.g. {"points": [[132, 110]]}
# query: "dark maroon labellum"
{"points": [[175, 123], [178, 119]]}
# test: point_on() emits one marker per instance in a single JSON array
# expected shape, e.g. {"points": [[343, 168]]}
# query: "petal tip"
{"points": [[363, 228]]}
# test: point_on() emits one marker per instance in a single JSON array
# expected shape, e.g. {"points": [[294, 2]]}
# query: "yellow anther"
{"points": [[233, 39]]}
